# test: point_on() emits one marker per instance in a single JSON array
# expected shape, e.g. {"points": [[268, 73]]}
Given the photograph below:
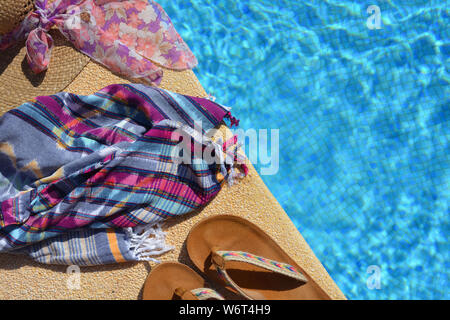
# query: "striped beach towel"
{"points": [[86, 180]]}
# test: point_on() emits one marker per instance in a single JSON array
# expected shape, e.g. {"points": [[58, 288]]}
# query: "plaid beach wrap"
{"points": [[85, 180]]}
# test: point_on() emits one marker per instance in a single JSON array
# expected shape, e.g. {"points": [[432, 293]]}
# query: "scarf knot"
{"points": [[39, 43], [43, 18]]}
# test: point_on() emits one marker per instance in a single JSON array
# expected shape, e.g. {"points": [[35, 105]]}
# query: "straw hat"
{"points": [[17, 82], [69, 70]]}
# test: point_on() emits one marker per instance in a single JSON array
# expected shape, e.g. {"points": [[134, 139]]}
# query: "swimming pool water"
{"points": [[364, 125]]}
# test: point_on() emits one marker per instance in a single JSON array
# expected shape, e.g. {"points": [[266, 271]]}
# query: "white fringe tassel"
{"points": [[207, 141], [147, 241]]}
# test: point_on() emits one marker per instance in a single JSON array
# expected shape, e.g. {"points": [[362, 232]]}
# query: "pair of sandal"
{"points": [[237, 254]]}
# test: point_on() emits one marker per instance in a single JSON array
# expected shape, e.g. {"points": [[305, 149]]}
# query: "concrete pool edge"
{"points": [[22, 278]]}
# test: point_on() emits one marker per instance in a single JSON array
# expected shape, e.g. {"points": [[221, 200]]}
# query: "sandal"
{"points": [[241, 256], [174, 281]]}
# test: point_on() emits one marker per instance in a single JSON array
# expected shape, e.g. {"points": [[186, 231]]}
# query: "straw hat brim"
{"points": [[90, 78], [94, 77], [72, 71], [19, 84]]}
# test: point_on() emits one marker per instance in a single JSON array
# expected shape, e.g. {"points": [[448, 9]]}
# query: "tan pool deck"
{"points": [[22, 278]]}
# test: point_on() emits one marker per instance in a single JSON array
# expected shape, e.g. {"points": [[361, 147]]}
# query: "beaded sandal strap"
{"points": [[220, 257], [199, 293], [207, 293]]}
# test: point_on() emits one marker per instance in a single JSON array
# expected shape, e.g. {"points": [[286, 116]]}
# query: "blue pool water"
{"points": [[364, 125]]}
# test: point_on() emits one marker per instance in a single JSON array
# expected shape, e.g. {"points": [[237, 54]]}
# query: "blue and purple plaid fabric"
{"points": [[81, 175]]}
